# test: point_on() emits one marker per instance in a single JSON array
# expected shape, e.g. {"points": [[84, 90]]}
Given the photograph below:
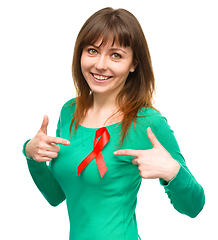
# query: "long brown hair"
{"points": [[124, 28]]}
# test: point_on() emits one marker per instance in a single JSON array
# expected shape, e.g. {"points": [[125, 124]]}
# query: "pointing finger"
{"points": [[127, 152], [57, 140]]}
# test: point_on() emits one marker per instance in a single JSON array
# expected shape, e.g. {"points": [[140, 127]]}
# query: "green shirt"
{"points": [[104, 208]]}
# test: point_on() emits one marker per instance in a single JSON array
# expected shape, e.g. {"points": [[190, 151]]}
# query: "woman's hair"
{"points": [[121, 26]]}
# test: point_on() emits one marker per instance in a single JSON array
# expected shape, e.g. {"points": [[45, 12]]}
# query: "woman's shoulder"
{"points": [[151, 117], [149, 113], [70, 102], [69, 105], [68, 109]]}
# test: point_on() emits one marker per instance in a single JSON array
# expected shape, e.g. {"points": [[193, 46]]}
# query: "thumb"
{"points": [[155, 143], [44, 126]]}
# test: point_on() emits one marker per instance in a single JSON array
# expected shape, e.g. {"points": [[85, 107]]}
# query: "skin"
{"points": [[107, 61], [106, 68], [153, 163], [42, 147], [115, 62]]}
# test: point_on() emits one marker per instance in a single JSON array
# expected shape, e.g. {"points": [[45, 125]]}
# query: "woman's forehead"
{"points": [[108, 42]]}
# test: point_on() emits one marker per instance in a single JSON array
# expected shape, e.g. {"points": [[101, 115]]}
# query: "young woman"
{"points": [[110, 136]]}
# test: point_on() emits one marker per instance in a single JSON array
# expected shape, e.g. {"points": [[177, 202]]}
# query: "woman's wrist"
{"points": [[25, 149], [172, 171]]}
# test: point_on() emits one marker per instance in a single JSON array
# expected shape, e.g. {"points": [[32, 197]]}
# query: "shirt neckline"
{"points": [[95, 129]]}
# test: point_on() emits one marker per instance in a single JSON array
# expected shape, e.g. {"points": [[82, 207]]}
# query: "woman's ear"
{"points": [[134, 66]]}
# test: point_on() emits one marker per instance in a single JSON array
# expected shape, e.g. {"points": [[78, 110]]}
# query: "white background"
{"points": [[36, 48]]}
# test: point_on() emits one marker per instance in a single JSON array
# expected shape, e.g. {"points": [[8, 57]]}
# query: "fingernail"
{"points": [[149, 129], [115, 152]]}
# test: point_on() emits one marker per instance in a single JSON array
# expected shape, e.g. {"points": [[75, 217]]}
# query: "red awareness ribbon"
{"points": [[96, 153]]}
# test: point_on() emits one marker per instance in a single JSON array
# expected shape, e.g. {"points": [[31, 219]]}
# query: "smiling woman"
{"points": [[113, 44], [113, 76], [105, 70]]}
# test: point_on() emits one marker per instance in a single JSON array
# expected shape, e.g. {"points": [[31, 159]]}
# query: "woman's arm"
{"points": [[164, 161], [45, 181], [39, 150], [185, 193]]}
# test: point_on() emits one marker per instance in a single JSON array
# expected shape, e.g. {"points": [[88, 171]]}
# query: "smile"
{"points": [[100, 77]]}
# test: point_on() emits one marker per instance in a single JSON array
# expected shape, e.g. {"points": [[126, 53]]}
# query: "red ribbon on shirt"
{"points": [[96, 153]]}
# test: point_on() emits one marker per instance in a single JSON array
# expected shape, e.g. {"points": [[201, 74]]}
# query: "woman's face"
{"points": [[106, 67]]}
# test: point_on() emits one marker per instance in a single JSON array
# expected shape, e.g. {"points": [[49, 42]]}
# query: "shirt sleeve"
{"points": [[44, 179], [185, 193]]}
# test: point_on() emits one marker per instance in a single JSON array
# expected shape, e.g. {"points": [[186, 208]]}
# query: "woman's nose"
{"points": [[101, 63]]}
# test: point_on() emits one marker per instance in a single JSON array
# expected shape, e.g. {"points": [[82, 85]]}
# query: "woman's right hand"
{"points": [[43, 148]]}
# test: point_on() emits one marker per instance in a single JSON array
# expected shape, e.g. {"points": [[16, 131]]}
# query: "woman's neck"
{"points": [[103, 102], [103, 112]]}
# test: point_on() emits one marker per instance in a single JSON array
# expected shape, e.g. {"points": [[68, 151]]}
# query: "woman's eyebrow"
{"points": [[118, 49], [111, 49], [93, 45]]}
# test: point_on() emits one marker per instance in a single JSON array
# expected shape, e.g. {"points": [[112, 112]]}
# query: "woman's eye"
{"points": [[116, 55], [92, 51]]}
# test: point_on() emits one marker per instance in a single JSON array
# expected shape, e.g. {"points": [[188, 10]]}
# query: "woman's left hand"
{"points": [[153, 163]]}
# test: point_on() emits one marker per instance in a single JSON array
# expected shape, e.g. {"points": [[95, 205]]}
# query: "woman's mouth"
{"points": [[100, 78]]}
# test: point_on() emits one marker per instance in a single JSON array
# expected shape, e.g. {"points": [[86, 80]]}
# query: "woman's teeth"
{"points": [[99, 77]]}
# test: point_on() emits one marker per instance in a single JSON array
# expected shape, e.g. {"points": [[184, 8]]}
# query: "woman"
{"points": [[110, 136]]}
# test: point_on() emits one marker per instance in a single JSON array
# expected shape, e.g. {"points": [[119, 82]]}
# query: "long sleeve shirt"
{"points": [[104, 208]]}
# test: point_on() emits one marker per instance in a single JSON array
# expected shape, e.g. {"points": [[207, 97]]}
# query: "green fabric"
{"points": [[104, 208]]}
